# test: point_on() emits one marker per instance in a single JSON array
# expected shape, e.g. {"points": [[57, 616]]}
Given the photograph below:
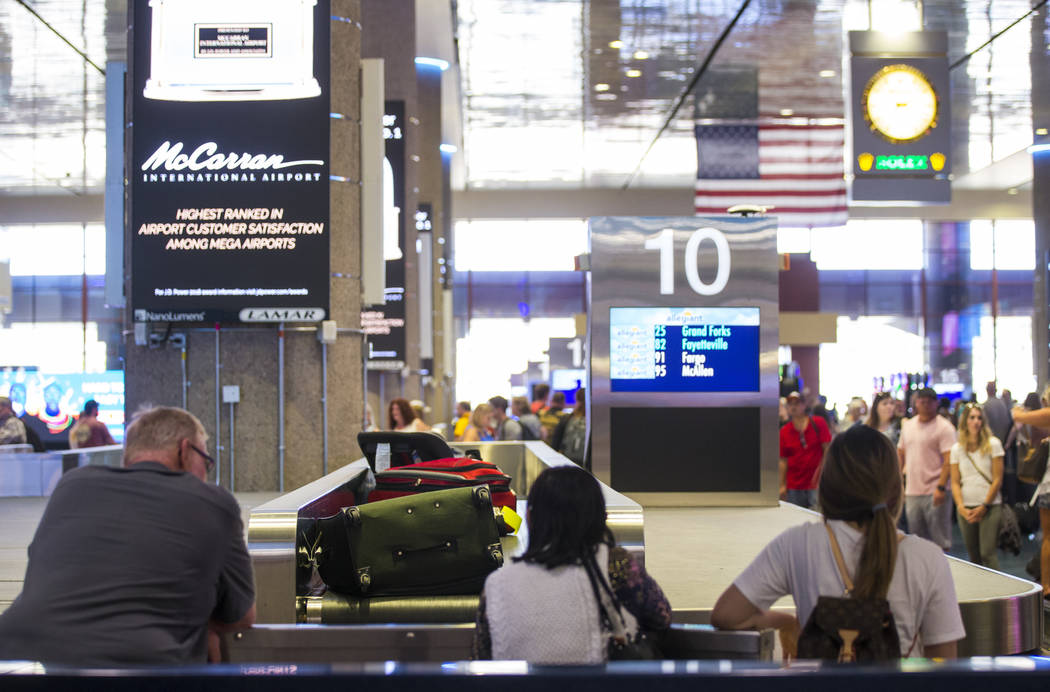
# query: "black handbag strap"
{"points": [[598, 586]]}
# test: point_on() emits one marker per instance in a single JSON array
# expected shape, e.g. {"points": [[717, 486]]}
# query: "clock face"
{"points": [[900, 103]]}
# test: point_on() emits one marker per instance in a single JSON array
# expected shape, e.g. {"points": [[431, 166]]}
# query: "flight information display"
{"points": [[683, 349]]}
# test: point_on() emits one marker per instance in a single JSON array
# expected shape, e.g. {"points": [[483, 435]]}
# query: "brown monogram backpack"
{"points": [[847, 629]]}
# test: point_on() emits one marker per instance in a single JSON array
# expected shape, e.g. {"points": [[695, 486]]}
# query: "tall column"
{"points": [[1041, 195], [800, 292], [433, 179], [248, 356], [389, 33]]}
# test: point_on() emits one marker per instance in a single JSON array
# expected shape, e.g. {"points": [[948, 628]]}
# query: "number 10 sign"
{"points": [[682, 338]]}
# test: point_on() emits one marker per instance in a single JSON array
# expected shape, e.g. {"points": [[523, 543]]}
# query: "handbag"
{"points": [[1009, 538], [622, 645], [1033, 467]]}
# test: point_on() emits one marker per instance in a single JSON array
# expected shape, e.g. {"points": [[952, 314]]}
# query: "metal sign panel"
{"points": [[901, 117], [682, 345]]}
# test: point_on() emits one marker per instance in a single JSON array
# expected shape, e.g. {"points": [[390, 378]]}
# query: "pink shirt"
{"points": [[924, 445]]}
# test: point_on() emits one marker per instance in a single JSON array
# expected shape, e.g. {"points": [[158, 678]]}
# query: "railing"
{"points": [[30, 474]]}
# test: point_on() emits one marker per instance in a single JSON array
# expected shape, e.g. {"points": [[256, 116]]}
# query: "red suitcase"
{"points": [[442, 474]]}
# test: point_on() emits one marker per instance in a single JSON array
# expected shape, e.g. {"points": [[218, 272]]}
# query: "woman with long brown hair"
{"points": [[883, 416], [977, 477], [860, 495], [401, 417]]}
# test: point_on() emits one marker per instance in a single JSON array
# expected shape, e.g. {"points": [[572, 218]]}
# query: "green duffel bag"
{"points": [[441, 542]]}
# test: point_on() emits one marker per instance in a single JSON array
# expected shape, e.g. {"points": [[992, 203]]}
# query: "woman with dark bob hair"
{"points": [[542, 607], [860, 495]]}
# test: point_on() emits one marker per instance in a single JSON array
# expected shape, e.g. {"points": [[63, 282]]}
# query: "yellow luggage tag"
{"points": [[511, 518]]}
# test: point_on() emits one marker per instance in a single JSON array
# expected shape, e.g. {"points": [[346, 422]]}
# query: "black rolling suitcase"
{"points": [[406, 448], [438, 543]]}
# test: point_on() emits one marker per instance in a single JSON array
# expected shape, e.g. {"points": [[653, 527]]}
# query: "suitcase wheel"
{"points": [[353, 516], [482, 497]]}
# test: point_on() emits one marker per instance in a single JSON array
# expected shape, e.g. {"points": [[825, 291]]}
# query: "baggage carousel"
{"points": [[693, 552]]}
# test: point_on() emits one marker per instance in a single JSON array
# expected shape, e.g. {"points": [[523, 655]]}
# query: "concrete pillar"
{"points": [[389, 33], [433, 179], [247, 356], [800, 292]]}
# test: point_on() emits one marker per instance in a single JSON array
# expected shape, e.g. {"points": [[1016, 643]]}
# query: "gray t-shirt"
{"points": [[510, 429], [998, 417], [126, 568]]}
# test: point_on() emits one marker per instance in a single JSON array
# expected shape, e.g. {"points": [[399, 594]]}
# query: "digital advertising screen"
{"points": [[655, 349], [50, 403], [385, 324], [228, 168]]}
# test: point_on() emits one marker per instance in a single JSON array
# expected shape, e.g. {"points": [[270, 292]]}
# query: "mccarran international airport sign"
{"points": [[228, 165]]}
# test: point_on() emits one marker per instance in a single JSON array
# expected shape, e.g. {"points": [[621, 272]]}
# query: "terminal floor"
{"points": [[694, 554], [18, 519]]}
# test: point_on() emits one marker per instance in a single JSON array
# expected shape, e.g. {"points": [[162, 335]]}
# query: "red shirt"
{"points": [[803, 461]]}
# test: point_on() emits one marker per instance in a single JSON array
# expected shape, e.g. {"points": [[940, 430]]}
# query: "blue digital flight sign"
{"points": [[683, 349]]}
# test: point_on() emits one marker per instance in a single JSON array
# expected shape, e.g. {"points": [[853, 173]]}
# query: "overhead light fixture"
{"points": [[1042, 132], [448, 148], [616, 44], [1012, 191], [786, 112], [897, 16], [433, 62], [827, 73], [641, 55], [601, 86], [1038, 148], [634, 73]]}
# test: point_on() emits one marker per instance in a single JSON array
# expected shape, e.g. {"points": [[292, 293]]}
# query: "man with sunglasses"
{"points": [[803, 440], [136, 565]]}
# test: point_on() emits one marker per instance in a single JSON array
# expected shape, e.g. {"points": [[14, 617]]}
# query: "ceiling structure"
{"points": [[564, 95], [557, 95]]}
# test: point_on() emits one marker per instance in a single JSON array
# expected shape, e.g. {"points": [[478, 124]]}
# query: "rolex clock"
{"points": [[900, 103]]}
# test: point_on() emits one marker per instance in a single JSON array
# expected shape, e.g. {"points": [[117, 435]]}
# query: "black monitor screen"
{"points": [[685, 449], [683, 349]]}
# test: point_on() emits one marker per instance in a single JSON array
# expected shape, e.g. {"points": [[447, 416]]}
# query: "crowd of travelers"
{"points": [[959, 459], [545, 418], [99, 591]]}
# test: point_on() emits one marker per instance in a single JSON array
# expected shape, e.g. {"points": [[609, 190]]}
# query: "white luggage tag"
{"points": [[382, 456]]}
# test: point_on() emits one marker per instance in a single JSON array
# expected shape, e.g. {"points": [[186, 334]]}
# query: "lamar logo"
{"points": [[206, 156], [282, 315]]}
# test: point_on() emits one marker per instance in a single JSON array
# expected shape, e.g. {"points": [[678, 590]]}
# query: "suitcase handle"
{"points": [[446, 546]]}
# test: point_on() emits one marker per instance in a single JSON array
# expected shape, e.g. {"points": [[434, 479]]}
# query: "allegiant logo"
{"points": [[206, 157]]}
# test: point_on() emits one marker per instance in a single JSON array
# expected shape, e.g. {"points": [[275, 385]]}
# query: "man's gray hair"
{"points": [[161, 428], [5, 402]]}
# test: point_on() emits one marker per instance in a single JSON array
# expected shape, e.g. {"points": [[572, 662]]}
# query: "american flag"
{"points": [[795, 166]]}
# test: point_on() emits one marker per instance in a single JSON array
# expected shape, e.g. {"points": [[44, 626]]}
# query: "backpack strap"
{"points": [[837, 552]]}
